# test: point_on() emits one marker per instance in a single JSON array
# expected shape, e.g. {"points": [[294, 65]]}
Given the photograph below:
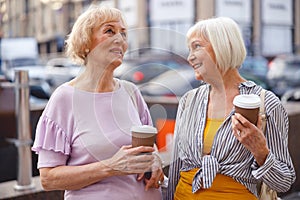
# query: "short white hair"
{"points": [[226, 40]]}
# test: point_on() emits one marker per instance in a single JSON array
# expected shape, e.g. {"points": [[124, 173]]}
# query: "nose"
{"points": [[118, 38], [191, 57]]}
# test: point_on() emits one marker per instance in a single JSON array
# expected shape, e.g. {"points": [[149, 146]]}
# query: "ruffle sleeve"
{"points": [[50, 136]]}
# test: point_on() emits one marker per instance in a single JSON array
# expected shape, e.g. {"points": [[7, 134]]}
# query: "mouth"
{"points": [[197, 66], [118, 52]]}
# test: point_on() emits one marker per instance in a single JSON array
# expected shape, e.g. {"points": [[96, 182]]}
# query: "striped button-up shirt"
{"points": [[228, 156]]}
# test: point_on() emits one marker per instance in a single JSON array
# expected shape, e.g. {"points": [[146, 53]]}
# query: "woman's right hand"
{"points": [[129, 160]]}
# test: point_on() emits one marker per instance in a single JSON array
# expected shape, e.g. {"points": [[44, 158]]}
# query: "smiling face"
{"points": [[202, 58], [109, 43]]}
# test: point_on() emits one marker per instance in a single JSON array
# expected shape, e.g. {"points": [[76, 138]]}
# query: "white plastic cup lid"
{"points": [[248, 101], [144, 129]]}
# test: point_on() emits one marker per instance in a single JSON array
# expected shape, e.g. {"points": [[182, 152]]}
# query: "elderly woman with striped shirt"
{"points": [[210, 159]]}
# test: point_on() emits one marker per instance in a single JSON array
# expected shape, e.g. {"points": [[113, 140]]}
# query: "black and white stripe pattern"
{"points": [[228, 156]]}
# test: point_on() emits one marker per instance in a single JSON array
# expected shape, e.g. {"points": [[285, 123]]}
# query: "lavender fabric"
{"points": [[79, 127]]}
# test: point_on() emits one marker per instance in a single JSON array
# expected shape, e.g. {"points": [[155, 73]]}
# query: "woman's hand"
{"points": [[251, 137], [157, 176], [130, 160]]}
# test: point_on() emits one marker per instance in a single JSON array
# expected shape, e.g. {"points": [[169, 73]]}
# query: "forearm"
{"points": [[274, 170], [74, 177], [261, 155], [124, 162]]}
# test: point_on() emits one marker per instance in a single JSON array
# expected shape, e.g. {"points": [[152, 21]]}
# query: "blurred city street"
{"points": [[32, 39]]}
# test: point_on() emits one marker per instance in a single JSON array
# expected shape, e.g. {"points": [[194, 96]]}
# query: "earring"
{"points": [[86, 50]]}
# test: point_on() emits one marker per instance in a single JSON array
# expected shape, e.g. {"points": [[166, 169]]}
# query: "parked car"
{"points": [[256, 66], [284, 73], [291, 95], [60, 70], [262, 82], [171, 83], [20, 53], [142, 69], [36, 72], [178, 82]]}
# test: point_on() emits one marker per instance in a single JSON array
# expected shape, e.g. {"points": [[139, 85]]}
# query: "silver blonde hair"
{"points": [[226, 39], [79, 40]]}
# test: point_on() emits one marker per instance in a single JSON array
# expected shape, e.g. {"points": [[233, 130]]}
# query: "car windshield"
{"points": [[181, 76], [61, 62], [24, 62], [257, 65], [295, 64]]}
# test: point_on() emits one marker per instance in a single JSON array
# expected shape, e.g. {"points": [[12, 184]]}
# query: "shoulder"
{"points": [[274, 105], [271, 98], [201, 90], [127, 84], [62, 91], [61, 98], [58, 113], [130, 87], [194, 93], [272, 102]]}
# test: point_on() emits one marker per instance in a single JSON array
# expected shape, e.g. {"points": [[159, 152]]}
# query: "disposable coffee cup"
{"points": [[248, 106], [143, 135]]}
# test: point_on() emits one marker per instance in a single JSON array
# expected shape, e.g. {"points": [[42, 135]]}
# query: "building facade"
{"points": [[269, 27]]}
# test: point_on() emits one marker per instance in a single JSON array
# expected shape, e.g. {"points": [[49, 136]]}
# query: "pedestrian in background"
{"points": [[83, 137], [219, 154]]}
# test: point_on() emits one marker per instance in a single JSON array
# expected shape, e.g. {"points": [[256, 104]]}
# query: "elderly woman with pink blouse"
{"points": [[83, 137]]}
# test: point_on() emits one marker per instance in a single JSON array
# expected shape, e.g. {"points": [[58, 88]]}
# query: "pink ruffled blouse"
{"points": [[79, 127]]}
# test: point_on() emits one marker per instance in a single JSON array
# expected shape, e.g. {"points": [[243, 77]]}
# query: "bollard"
{"points": [[24, 140]]}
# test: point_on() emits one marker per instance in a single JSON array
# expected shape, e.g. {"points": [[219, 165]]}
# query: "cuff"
{"points": [[262, 170]]}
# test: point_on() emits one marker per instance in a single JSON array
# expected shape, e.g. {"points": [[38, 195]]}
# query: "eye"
{"points": [[124, 35], [197, 46], [109, 31]]}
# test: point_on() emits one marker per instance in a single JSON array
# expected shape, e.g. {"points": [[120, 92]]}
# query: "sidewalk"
{"points": [[7, 191]]}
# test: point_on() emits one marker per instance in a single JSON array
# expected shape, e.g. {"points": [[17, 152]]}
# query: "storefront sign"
{"points": [[277, 12], [172, 10], [130, 11], [238, 10]]}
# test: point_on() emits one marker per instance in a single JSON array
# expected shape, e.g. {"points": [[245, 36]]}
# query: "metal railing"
{"points": [[23, 141]]}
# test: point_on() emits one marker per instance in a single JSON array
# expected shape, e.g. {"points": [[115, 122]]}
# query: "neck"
{"points": [[228, 82], [223, 90], [96, 79]]}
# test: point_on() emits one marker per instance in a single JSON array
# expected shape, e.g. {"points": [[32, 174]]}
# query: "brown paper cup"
{"points": [[248, 106], [143, 135]]}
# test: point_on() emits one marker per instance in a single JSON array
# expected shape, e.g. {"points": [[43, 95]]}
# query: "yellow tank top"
{"points": [[223, 187], [210, 131]]}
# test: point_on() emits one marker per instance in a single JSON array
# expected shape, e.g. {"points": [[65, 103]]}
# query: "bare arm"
{"points": [[125, 161], [73, 177]]}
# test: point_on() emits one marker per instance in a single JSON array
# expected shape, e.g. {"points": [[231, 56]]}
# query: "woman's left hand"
{"points": [[157, 176], [251, 137]]}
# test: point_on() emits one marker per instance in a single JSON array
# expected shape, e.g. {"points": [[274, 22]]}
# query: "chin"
{"points": [[116, 62], [198, 77]]}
